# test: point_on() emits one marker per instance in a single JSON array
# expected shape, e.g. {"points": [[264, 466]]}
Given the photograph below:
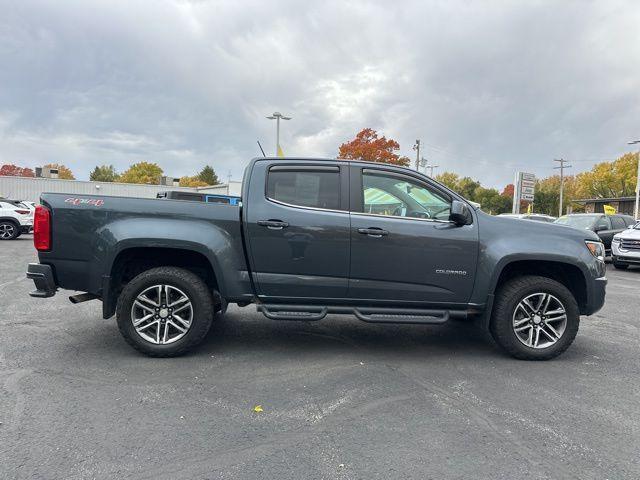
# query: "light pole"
{"points": [[431, 167], [636, 211], [277, 116]]}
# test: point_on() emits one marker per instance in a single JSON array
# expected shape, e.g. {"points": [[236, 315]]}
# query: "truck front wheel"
{"points": [[534, 318], [165, 311]]}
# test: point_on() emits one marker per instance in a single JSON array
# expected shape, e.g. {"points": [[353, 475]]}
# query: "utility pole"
{"points": [[636, 211], [416, 147], [431, 167], [277, 116], [562, 166]]}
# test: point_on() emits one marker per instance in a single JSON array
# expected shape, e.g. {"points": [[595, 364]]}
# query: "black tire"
{"points": [[194, 288], [6, 226], [507, 299]]}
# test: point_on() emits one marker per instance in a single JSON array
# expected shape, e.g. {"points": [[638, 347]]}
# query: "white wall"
{"points": [[30, 189]]}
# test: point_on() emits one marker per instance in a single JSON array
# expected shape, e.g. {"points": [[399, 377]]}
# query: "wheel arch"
{"points": [[568, 274]]}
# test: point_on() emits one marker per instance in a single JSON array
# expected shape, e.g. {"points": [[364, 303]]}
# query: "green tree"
{"points": [[208, 176], [142, 172], [492, 201], [547, 195], [63, 172], [104, 173]]}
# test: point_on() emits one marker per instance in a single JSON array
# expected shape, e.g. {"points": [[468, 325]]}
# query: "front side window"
{"points": [[618, 223], [398, 196], [305, 188]]}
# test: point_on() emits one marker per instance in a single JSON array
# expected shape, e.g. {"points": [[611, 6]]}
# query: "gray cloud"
{"points": [[489, 87]]}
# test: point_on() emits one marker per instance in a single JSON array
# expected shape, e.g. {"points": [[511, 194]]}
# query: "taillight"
{"points": [[23, 212], [42, 228]]}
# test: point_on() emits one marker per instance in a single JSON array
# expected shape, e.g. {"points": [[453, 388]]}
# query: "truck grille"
{"points": [[630, 245]]}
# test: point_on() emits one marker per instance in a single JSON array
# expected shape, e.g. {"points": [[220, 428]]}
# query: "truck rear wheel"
{"points": [[165, 311], [534, 318]]}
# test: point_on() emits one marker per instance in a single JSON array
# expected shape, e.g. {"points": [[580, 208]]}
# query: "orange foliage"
{"points": [[371, 148]]}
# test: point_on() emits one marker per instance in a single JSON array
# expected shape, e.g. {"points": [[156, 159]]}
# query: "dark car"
{"points": [[313, 237], [605, 226]]}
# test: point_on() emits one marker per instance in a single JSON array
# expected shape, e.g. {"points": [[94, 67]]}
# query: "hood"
{"points": [[518, 226], [629, 234]]}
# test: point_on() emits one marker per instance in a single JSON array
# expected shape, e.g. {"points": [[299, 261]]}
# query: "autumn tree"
{"points": [[192, 182], [104, 173], [63, 172], [368, 146], [142, 172], [208, 176], [508, 190], [610, 179], [10, 170]]}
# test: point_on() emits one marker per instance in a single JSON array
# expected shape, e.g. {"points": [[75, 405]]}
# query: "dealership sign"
{"points": [[524, 189]]}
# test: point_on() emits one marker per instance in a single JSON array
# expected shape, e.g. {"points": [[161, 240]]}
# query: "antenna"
{"points": [[261, 149]]}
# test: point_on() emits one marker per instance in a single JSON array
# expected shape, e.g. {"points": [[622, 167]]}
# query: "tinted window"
{"points": [[629, 220], [307, 188], [386, 194], [618, 223], [603, 223]]}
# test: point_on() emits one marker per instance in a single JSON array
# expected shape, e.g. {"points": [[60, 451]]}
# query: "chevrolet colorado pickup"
{"points": [[313, 237]]}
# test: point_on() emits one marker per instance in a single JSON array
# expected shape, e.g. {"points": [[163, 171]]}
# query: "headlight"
{"points": [[616, 240], [596, 249]]}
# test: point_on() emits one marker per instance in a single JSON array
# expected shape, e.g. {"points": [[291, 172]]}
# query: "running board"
{"points": [[366, 314]]}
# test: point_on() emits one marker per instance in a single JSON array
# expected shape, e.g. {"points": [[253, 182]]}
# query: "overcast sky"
{"points": [[489, 87]]}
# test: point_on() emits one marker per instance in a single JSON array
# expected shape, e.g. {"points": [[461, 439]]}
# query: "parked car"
{"points": [[625, 247], [15, 219], [312, 237], [605, 226], [538, 217]]}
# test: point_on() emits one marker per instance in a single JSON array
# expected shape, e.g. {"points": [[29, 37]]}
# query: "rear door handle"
{"points": [[273, 224], [373, 232]]}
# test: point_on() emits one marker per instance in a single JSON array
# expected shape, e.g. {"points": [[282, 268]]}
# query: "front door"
{"points": [[298, 229], [403, 247]]}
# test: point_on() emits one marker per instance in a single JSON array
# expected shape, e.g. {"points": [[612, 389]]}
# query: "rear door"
{"points": [[403, 248], [297, 221]]}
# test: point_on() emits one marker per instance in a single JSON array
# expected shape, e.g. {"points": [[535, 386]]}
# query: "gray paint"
{"points": [[318, 258]]}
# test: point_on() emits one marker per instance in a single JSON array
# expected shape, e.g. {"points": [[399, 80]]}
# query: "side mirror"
{"points": [[460, 214], [599, 228]]}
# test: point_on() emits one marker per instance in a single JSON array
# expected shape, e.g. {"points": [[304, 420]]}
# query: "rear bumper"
{"points": [[42, 276]]}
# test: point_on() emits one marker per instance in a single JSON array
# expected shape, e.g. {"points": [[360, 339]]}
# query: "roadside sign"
{"points": [[525, 186]]}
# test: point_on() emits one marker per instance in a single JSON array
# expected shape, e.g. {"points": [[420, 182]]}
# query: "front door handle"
{"points": [[373, 232], [273, 224]]}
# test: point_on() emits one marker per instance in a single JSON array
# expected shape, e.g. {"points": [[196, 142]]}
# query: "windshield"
{"points": [[577, 221], [636, 226]]}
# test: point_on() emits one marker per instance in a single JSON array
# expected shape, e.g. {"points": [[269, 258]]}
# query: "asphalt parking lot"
{"points": [[340, 399]]}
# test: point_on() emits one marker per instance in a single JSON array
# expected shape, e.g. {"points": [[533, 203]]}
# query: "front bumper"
{"points": [[42, 276], [595, 299], [631, 257]]}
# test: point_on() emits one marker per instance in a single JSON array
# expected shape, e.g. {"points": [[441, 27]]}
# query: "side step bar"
{"points": [[366, 314]]}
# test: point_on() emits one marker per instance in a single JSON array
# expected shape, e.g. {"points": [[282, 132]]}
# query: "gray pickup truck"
{"points": [[313, 237]]}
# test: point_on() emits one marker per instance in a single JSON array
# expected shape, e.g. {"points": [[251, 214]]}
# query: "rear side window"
{"points": [[305, 188], [618, 223], [629, 221]]}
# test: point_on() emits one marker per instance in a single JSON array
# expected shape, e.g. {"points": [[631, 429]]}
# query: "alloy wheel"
{"points": [[539, 320], [162, 314], [7, 230]]}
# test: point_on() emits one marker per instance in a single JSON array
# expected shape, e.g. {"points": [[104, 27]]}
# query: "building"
{"points": [[30, 188], [624, 205], [233, 188]]}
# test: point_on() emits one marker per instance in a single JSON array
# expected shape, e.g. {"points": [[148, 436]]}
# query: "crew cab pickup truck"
{"points": [[314, 237]]}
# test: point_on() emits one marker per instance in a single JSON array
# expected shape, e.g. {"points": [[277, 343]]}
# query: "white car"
{"points": [[16, 218], [625, 247]]}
